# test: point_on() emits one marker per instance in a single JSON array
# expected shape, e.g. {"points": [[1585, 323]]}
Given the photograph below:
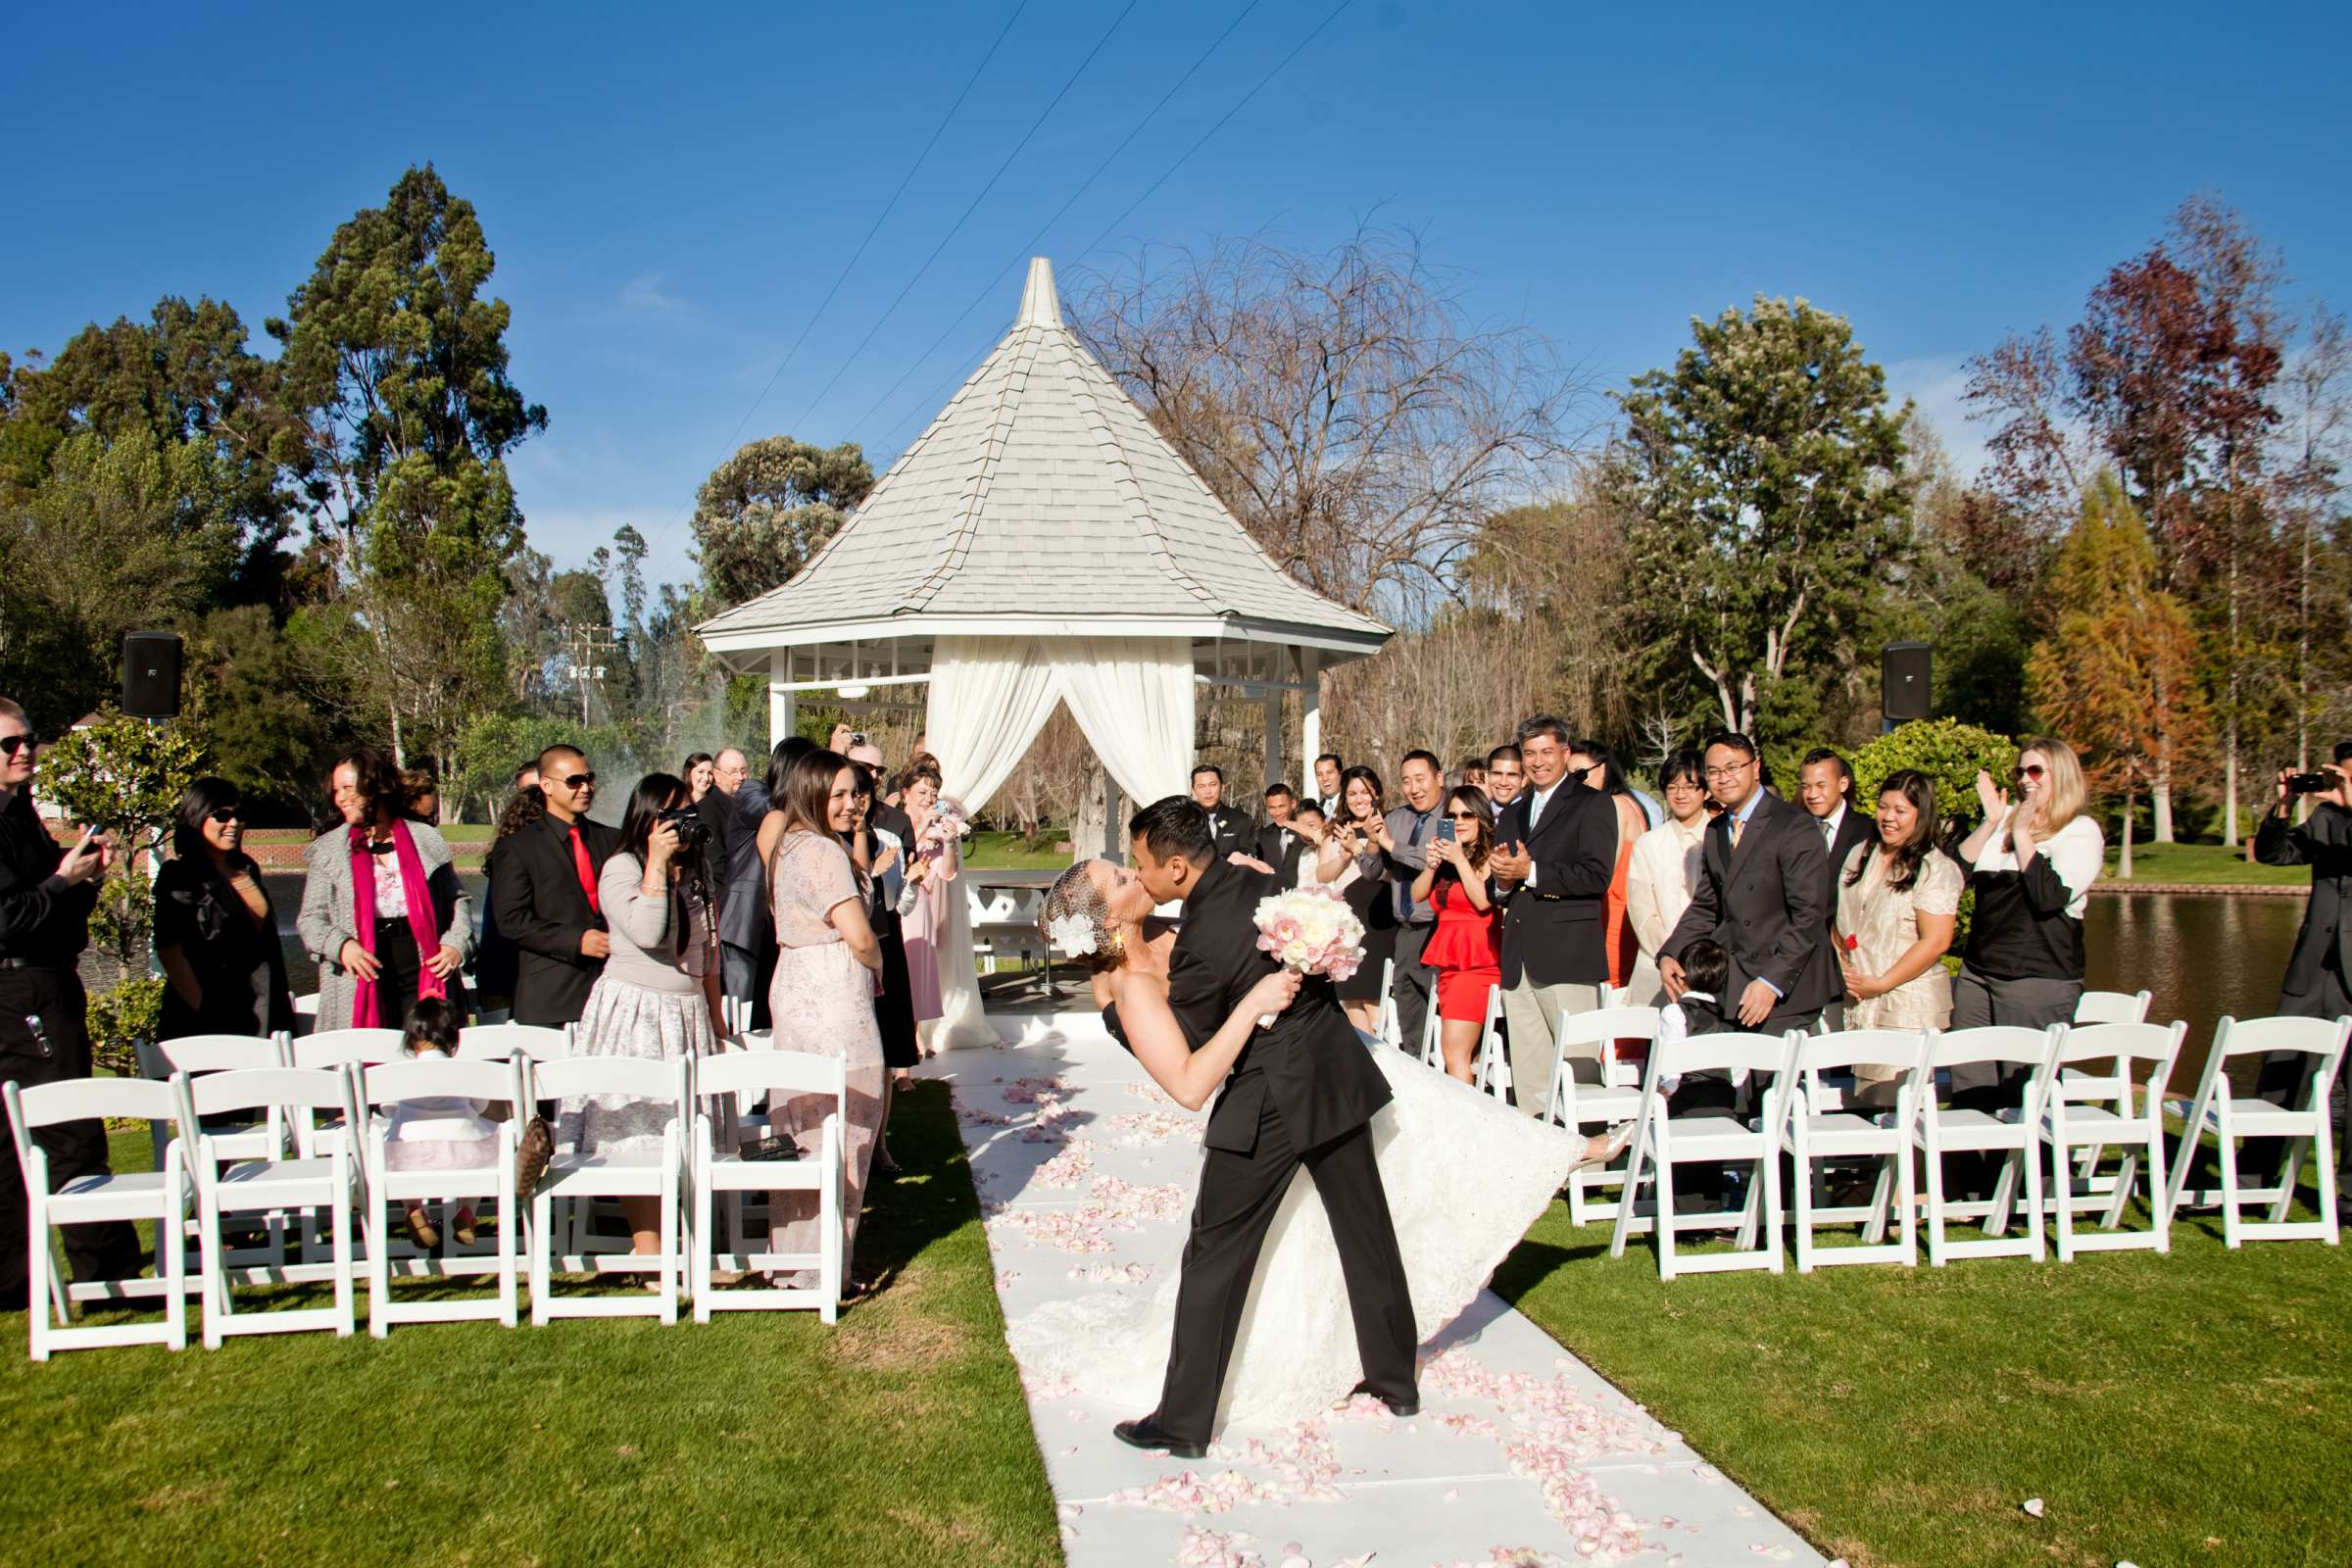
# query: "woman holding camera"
{"points": [[657, 996], [1466, 946]]}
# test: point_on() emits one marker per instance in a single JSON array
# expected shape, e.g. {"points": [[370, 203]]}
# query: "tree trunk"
{"points": [[1089, 834], [2123, 865], [2161, 796]]}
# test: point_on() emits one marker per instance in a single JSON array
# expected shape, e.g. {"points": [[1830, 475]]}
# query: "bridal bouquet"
{"points": [[1310, 931]]}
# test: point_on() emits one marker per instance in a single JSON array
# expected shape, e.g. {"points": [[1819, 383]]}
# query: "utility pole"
{"points": [[587, 647]]}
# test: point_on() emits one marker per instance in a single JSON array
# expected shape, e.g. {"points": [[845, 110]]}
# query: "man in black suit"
{"points": [[1303, 1093], [1235, 832], [1280, 843], [1825, 790], [1555, 851], [1328, 768], [546, 895], [744, 922], [2316, 985], [1762, 877]]}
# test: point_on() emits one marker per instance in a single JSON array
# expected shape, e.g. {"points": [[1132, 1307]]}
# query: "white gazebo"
{"points": [[1039, 541]]}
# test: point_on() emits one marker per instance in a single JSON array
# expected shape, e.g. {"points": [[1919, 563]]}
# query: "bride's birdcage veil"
{"points": [[1075, 920]]}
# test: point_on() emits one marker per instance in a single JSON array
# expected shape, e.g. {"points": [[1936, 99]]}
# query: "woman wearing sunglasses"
{"points": [[1466, 947], [2032, 862], [216, 933]]}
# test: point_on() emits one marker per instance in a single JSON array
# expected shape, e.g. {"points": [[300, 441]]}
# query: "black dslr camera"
{"points": [[693, 832], [2310, 783]]}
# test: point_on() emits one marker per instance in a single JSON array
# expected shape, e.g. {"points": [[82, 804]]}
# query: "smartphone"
{"points": [[1444, 828]]}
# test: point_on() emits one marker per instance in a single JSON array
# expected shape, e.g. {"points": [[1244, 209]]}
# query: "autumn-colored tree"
{"points": [[2116, 677]]}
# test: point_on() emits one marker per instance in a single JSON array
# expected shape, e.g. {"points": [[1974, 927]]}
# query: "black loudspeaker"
{"points": [[1903, 682], [151, 674]]}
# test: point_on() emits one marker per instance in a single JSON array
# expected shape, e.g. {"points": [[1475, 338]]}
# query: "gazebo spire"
{"points": [[1040, 305]]}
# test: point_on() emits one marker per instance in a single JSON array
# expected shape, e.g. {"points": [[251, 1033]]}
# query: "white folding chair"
{"points": [[1433, 1050], [2111, 1088], [499, 1042], [1661, 1143], [1583, 1108], [2221, 1112], [1490, 1071], [2070, 1124], [1823, 1126], [382, 1089], [2015, 1134], [306, 1014], [2112, 1006], [1387, 1027], [325, 1179], [717, 1169], [575, 1175], [221, 1053], [161, 1195]]}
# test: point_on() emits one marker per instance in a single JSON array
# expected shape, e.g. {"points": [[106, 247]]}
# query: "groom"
{"points": [[1301, 1092]]}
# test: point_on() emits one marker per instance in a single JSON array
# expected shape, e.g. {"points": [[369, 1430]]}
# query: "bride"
{"points": [[1465, 1177]]}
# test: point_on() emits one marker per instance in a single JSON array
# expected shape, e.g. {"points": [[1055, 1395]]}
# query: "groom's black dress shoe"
{"points": [[1149, 1433], [1410, 1406]]}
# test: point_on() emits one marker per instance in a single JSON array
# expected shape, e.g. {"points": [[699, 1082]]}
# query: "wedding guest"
{"points": [[382, 910], [1328, 768], [879, 857], [2030, 864], [769, 831], [1472, 773], [215, 934], [437, 1131], [927, 916], [743, 899], [696, 775], [894, 828], [1232, 830], [1898, 899], [1315, 832], [657, 998], [1278, 842], [1554, 854], [1409, 828], [423, 792], [827, 962], [840, 738], [548, 898], [1358, 842], [1825, 790], [1766, 909], [2315, 984], [1465, 945], [1596, 766], [1506, 775], [46, 894], [1665, 865], [495, 956]]}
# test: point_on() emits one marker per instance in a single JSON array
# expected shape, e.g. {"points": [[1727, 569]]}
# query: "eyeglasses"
{"points": [[225, 815], [576, 781], [2031, 770], [11, 745], [1731, 770]]}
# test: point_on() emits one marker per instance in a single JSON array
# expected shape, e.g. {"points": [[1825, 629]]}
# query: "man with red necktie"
{"points": [[545, 895]]}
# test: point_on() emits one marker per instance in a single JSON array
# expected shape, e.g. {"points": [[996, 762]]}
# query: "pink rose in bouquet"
{"points": [[1310, 931]]}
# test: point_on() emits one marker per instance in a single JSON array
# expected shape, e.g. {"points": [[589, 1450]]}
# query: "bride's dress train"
{"points": [[1465, 1176]]}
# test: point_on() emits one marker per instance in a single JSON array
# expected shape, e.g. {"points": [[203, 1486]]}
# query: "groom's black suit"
{"points": [[1302, 1092]]}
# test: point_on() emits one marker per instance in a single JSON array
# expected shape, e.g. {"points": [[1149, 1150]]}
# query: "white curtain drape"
{"points": [[1132, 698], [990, 696]]}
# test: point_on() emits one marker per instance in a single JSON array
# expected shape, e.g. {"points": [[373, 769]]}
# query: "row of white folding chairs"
{"points": [[2068, 1107], [224, 1178]]}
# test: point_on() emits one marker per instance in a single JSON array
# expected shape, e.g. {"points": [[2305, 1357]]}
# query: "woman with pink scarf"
{"points": [[382, 910]]}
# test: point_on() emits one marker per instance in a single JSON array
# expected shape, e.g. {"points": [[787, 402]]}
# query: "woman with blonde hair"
{"points": [[2030, 864]]}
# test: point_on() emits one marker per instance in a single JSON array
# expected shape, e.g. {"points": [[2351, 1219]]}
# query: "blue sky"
{"points": [[670, 196]]}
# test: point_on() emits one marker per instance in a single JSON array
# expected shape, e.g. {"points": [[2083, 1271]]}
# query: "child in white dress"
{"points": [[441, 1132]]}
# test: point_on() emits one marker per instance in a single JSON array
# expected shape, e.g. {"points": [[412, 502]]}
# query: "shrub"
{"points": [[122, 1017], [1951, 753]]}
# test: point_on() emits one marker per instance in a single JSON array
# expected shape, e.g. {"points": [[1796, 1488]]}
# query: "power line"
{"points": [[1030, 249], [888, 206], [1239, 105], [965, 216]]}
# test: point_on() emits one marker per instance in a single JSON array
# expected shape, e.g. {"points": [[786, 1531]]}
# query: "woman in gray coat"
{"points": [[382, 910]]}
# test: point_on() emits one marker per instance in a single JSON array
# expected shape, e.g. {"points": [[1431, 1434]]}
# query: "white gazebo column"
{"points": [[1311, 728], [779, 696]]}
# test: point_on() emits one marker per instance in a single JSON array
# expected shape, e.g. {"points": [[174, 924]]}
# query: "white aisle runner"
{"points": [[1521, 1454]]}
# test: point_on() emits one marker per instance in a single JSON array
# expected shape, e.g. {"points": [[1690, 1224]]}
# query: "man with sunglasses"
{"points": [[545, 895], [45, 900]]}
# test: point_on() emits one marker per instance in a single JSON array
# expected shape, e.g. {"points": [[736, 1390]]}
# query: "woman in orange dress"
{"points": [[1466, 946]]}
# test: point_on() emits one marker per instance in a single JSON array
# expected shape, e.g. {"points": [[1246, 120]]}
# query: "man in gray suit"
{"points": [[1411, 826], [2316, 985]]}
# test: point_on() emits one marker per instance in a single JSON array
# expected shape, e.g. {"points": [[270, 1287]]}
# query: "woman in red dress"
{"points": [[1465, 948]]}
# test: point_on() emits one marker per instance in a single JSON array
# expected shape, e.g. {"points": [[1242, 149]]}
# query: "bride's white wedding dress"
{"points": [[1465, 1176]]}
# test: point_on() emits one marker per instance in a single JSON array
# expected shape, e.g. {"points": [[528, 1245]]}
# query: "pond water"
{"points": [[2201, 955]]}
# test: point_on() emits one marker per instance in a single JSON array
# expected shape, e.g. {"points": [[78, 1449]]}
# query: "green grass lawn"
{"points": [[2194, 1408], [898, 1436], [990, 850], [2204, 865]]}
